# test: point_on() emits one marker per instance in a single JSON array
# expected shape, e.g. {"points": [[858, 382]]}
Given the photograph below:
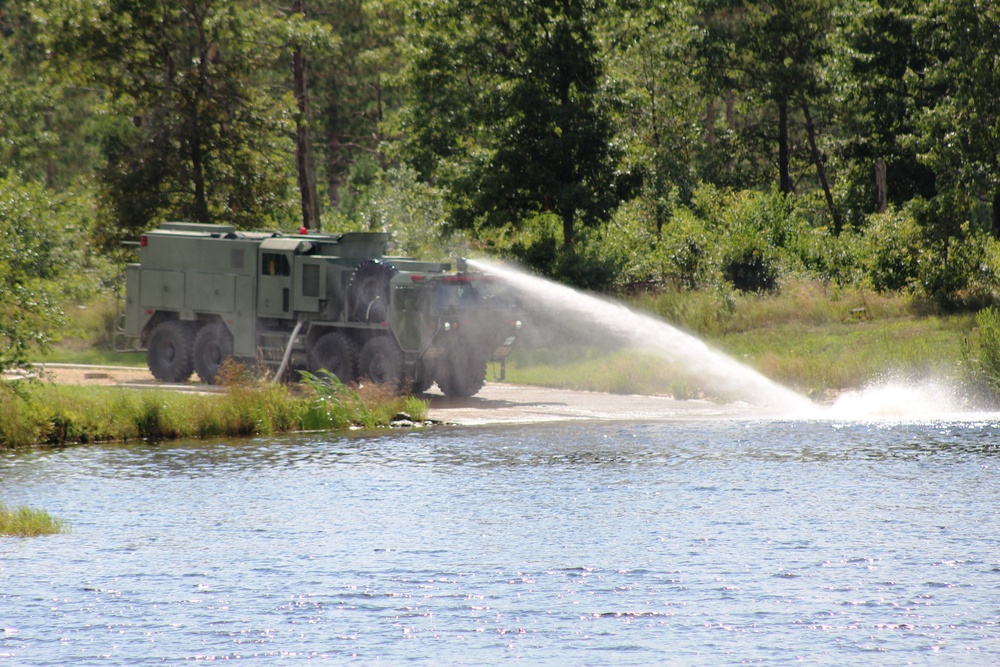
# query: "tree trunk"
{"points": [[995, 218], [784, 171], [198, 170], [50, 165], [303, 144], [817, 158], [710, 115], [569, 233], [881, 189]]}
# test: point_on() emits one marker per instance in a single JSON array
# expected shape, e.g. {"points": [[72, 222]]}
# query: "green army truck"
{"points": [[310, 301]]}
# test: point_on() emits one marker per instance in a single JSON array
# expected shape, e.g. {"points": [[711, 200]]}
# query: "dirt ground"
{"points": [[496, 403]]}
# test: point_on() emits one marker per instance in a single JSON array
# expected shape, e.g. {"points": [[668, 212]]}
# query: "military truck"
{"points": [[311, 301]]}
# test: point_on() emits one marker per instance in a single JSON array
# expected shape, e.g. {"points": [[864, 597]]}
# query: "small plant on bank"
{"points": [[333, 404], [25, 521]]}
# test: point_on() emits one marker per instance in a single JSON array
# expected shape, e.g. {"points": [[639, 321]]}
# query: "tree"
{"points": [[774, 54], [197, 132], [40, 261], [506, 111], [958, 130], [43, 125], [877, 53], [659, 119], [303, 141], [354, 94]]}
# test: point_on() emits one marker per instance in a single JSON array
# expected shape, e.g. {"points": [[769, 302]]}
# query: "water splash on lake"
{"points": [[925, 401], [716, 372]]}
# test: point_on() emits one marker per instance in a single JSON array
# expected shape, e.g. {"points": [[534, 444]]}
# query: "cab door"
{"points": [[274, 283], [310, 284]]}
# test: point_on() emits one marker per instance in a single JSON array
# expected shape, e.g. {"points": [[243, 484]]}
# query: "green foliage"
{"points": [[615, 146], [393, 201], [197, 133], [981, 351], [26, 521], [892, 251], [332, 404], [958, 126], [41, 265], [755, 232], [504, 110]]}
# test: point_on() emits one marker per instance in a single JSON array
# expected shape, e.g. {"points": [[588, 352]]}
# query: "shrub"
{"points": [[749, 263], [685, 252], [891, 251], [981, 351]]}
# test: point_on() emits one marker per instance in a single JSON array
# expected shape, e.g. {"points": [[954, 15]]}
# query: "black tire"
{"points": [[463, 373], [169, 351], [336, 353], [423, 381], [212, 346], [368, 291], [381, 361]]}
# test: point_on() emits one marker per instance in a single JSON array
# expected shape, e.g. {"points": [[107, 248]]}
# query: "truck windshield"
{"points": [[467, 294], [449, 296]]}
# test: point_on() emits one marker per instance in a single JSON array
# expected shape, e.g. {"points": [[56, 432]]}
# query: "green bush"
{"points": [[981, 352], [395, 201], [891, 251], [685, 252], [749, 263], [42, 264]]}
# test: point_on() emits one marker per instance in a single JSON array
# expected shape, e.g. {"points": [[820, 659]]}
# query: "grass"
{"points": [[88, 337], [818, 360], [27, 522], [45, 414], [593, 369]]}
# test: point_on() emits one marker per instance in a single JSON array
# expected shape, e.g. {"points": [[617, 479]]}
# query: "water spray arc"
{"points": [[714, 370]]}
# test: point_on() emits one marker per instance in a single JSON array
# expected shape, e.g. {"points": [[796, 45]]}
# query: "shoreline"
{"points": [[497, 403]]}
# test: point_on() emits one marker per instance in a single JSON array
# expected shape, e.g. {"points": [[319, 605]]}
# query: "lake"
{"points": [[687, 542]]}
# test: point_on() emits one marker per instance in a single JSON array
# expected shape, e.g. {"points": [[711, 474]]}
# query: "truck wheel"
{"points": [[424, 380], [212, 346], [462, 374], [381, 362], [368, 291], [169, 354], [336, 353]]}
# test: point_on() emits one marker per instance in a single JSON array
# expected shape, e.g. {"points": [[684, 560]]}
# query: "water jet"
{"points": [[718, 374]]}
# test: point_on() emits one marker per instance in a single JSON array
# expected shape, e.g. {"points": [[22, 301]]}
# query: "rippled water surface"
{"points": [[689, 543]]}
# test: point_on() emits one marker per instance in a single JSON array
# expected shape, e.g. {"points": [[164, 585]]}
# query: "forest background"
{"points": [[716, 146]]}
